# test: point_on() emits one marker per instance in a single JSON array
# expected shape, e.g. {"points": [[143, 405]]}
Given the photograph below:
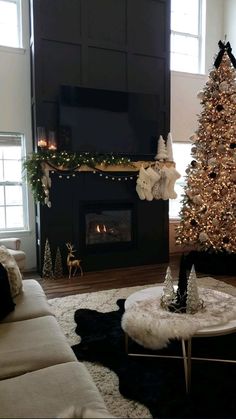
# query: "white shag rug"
{"points": [[105, 301]]}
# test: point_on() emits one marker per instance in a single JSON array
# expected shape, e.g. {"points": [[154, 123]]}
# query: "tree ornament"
{"points": [[212, 175], [47, 262], [224, 86], [215, 222], [200, 95], [219, 108], [203, 237], [212, 161], [193, 137]]}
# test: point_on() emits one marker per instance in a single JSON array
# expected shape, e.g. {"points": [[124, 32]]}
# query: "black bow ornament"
{"points": [[224, 48]]}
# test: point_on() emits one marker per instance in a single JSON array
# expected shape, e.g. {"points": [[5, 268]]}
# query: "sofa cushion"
{"points": [[6, 302], [13, 271], [32, 344], [30, 303], [48, 392]]}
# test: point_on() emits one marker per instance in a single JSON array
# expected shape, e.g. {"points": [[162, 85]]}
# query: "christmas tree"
{"points": [[168, 290], [58, 270], [47, 263], [208, 214], [193, 303]]}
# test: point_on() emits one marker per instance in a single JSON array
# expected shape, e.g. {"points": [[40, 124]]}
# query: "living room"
{"points": [[16, 100], [118, 49]]}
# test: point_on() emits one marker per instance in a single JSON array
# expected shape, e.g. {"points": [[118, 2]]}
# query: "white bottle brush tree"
{"points": [[208, 214]]}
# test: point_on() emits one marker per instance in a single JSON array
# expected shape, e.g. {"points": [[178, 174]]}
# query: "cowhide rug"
{"points": [[159, 383]]}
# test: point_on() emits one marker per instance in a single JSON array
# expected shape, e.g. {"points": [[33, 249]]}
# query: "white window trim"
{"points": [[175, 219], [19, 26], [23, 184]]}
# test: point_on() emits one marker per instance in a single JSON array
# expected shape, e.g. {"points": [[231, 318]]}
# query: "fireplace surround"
{"points": [[138, 230]]}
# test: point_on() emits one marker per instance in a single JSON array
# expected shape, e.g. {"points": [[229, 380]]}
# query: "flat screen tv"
{"points": [[108, 121]]}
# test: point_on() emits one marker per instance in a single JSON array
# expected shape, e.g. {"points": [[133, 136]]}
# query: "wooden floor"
{"points": [[115, 278]]}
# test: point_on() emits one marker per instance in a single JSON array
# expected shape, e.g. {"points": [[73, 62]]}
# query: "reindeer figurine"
{"points": [[72, 263]]}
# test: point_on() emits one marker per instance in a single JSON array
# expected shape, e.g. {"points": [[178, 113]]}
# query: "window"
{"points": [[182, 157], [10, 23], [13, 202], [187, 35]]}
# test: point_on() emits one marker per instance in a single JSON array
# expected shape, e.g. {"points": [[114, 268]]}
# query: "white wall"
{"points": [[15, 115], [229, 23]]}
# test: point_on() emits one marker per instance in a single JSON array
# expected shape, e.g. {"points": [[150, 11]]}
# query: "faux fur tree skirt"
{"points": [[153, 327]]}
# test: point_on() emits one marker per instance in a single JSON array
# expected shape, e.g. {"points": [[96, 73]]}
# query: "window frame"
{"points": [[19, 26], [200, 37], [180, 180], [22, 183]]}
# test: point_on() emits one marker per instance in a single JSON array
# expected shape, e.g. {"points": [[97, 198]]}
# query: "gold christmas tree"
{"points": [[208, 214], [47, 262]]}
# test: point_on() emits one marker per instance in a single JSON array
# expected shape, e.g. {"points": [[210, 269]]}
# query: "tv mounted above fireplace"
{"points": [[108, 121]]}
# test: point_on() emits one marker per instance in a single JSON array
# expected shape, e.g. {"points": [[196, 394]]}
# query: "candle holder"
{"points": [[52, 143], [41, 137]]}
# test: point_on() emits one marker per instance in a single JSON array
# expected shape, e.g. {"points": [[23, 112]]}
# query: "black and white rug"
{"points": [[144, 387]]}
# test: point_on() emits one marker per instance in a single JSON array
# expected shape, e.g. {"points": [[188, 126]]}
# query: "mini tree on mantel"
{"points": [[208, 214]]}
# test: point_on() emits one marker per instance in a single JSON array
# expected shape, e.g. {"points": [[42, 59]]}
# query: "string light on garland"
{"points": [[35, 169]]}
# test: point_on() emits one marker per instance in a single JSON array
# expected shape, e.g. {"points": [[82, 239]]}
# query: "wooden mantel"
{"points": [[133, 166]]}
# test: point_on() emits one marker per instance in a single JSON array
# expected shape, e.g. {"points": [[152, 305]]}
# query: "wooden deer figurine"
{"points": [[72, 263]]}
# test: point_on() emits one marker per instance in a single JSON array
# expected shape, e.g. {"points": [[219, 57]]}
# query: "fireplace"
{"points": [[107, 226]]}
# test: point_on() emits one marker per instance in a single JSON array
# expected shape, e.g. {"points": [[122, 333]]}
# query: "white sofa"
{"points": [[40, 376], [13, 245]]}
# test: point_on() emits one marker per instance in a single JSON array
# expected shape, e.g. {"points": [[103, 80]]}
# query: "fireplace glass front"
{"points": [[108, 225]]}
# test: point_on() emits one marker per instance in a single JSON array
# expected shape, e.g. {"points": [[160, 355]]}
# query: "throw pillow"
{"points": [[6, 302], [13, 271]]}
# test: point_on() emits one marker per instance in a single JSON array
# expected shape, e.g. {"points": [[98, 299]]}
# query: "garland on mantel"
{"points": [[37, 166]]}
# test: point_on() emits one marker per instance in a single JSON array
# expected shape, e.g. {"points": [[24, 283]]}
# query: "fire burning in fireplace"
{"points": [[108, 226], [101, 228]]}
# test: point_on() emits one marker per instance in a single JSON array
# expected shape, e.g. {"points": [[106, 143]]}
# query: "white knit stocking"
{"points": [[171, 175]]}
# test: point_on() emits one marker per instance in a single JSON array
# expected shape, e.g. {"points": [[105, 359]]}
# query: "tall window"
{"points": [[13, 201], [182, 156], [10, 23], [187, 35]]}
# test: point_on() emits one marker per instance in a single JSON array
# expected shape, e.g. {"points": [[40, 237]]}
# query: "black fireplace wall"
{"points": [[62, 221], [108, 44]]}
